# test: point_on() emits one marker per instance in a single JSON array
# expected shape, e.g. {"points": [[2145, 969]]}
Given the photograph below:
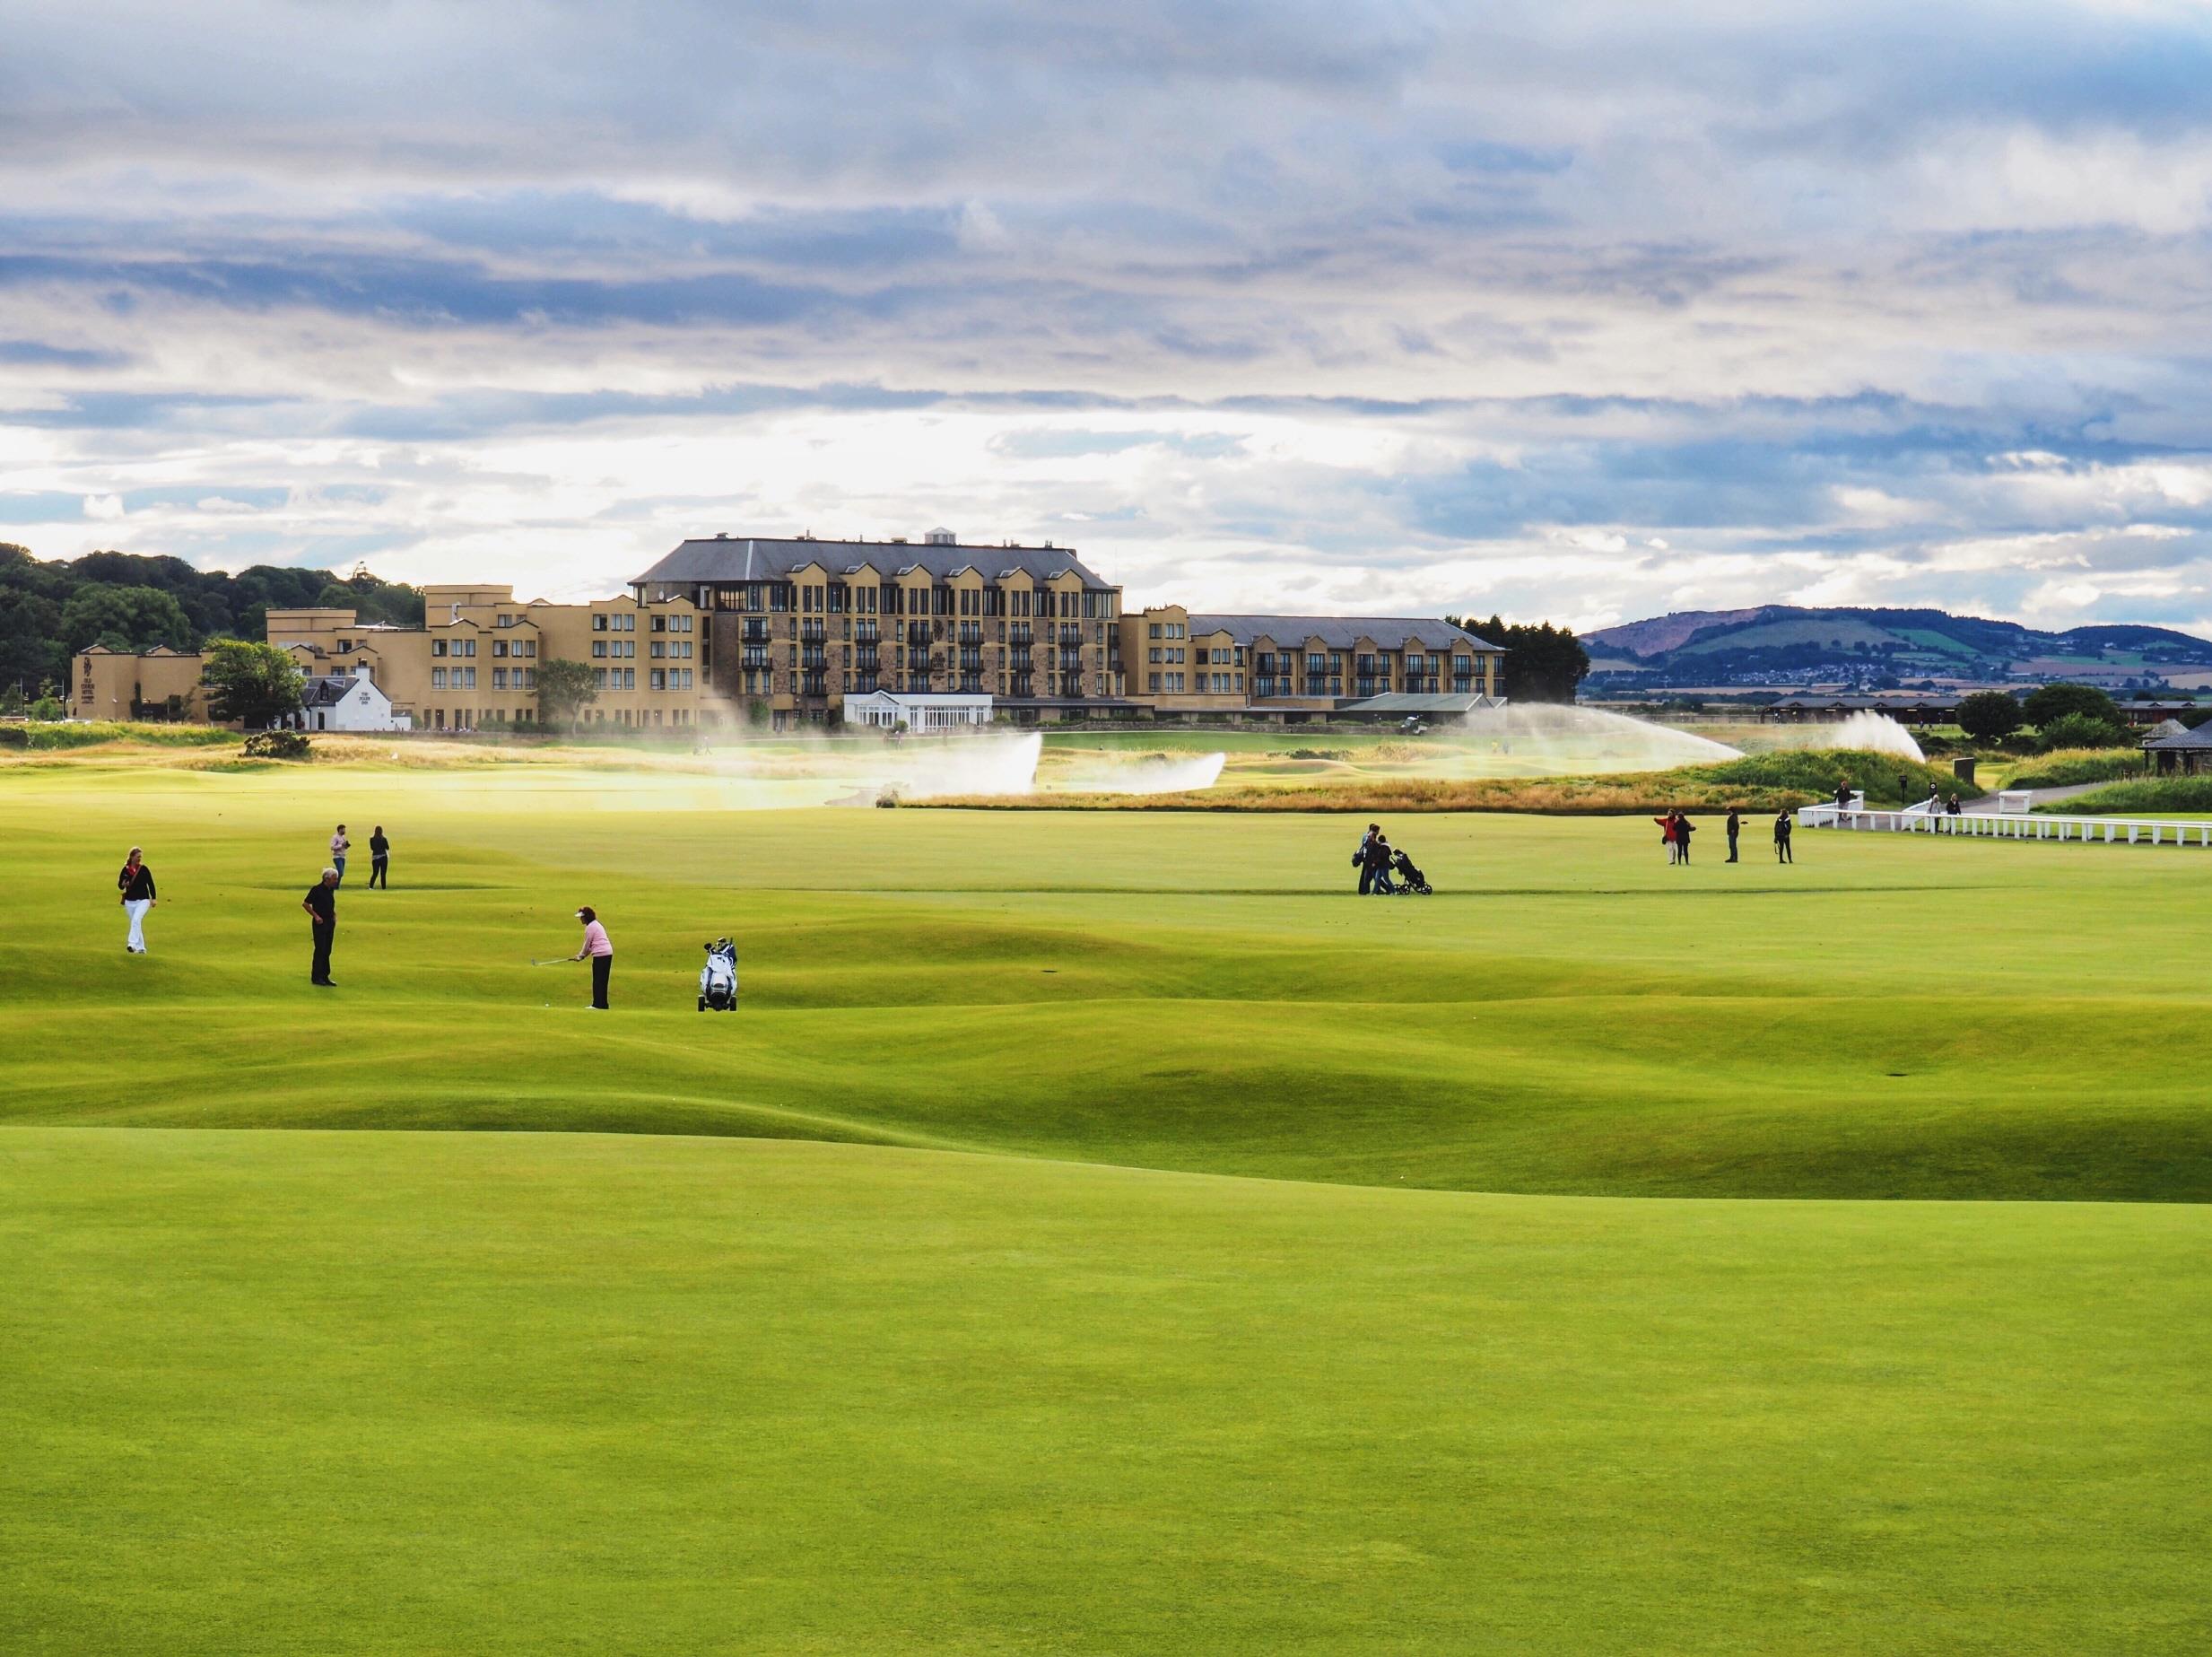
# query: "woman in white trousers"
{"points": [[135, 884]]}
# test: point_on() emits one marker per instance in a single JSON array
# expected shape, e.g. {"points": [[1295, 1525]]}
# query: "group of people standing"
{"points": [[1676, 831], [1373, 859], [138, 895]]}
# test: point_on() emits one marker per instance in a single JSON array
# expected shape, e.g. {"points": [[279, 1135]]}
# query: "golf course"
{"points": [[1096, 1232]]}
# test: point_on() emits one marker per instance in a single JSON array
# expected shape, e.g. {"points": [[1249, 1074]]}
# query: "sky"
{"points": [[1563, 310]]}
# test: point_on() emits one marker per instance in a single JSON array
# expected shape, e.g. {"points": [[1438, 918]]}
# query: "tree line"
{"points": [[51, 609], [1544, 663]]}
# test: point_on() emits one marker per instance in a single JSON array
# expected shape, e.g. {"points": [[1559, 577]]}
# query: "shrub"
{"points": [[2080, 731], [2055, 702], [278, 744], [1989, 716]]}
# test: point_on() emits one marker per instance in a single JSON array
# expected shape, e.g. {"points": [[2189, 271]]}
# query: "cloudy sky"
{"points": [[1562, 309]]}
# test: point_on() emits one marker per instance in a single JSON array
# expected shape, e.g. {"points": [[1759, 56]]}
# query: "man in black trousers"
{"points": [[1736, 825], [321, 904]]}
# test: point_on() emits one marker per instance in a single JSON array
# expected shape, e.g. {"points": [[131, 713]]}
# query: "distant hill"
{"points": [[1780, 641]]}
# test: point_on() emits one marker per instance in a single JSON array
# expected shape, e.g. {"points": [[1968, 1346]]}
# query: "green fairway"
{"points": [[1888, 1017], [918, 1379]]}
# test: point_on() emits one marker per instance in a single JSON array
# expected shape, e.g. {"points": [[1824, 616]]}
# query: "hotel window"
{"points": [[599, 624], [599, 678], [465, 678], [659, 650], [527, 677], [438, 647], [660, 624], [658, 679], [598, 649], [465, 647], [1154, 678], [438, 678], [630, 678], [506, 620], [498, 679]]}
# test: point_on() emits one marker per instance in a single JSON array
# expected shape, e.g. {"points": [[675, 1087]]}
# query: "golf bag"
{"points": [[717, 979], [1409, 878]]}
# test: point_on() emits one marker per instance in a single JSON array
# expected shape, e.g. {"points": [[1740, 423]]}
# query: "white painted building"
{"points": [[917, 710], [349, 702]]}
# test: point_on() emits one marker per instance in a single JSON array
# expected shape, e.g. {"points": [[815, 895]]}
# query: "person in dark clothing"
{"points": [[1683, 829], [1842, 796], [1736, 826], [1365, 858], [379, 858], [1377, 875], [135, 883], [1781, 836], [1379, 854], [321, 903]]}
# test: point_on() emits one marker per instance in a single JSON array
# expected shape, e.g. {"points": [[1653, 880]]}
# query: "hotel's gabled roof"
{"points": [[752, 558], [1344, 632]]}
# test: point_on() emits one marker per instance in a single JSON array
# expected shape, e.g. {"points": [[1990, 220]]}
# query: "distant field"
{"points": [[1097, 1233]]}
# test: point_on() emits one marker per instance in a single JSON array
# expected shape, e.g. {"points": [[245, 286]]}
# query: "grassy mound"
{"points": [[2065, 768], [514, 1393], [2192, 795], [1755, 782]]}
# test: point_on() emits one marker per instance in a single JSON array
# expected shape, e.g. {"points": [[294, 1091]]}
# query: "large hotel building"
{"points": [[789, 629]]}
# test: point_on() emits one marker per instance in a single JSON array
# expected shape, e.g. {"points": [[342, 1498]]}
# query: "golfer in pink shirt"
{"points": [[601, 954]]}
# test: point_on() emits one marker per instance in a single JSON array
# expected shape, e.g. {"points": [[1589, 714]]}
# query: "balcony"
{"points": [[755, 632]]}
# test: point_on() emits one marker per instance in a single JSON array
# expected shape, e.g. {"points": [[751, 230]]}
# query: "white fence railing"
{"points": [[1919, 820]]}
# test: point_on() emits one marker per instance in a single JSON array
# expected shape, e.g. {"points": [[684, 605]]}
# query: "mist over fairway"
{"points": [[1040, 1262]]}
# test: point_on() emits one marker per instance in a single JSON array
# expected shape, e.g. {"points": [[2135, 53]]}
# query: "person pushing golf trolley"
{"points": [[596, 949]]}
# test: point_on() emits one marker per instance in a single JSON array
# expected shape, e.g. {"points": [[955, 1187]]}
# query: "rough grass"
{"points": [[1764, 782], [50, 735], [2068, 767], [2144, 795]]}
